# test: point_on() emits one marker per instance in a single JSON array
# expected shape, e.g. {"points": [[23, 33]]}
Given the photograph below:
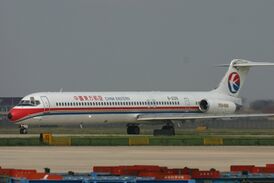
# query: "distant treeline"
{"points": [[266, 106]]}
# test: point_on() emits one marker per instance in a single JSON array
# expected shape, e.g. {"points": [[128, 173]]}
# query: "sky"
{"points": [[133, 45]]}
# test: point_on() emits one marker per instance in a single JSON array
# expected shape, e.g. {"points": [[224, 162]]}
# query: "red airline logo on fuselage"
{"points": [[88, 98]]}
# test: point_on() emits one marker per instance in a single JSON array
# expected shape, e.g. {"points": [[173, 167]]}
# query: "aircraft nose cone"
{"points": [[14, 115], [9, 116]]}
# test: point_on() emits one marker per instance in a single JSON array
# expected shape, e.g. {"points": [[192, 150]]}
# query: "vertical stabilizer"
{"points": [[234, 78]]}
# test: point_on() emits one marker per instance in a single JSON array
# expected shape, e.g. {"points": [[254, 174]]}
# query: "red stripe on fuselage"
{"points": [[20, 113]]}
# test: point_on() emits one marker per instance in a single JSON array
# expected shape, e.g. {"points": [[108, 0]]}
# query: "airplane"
{"points": [[65, 108]]}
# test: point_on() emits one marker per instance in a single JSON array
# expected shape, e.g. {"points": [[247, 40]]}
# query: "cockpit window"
{"points": [[29, 103]]}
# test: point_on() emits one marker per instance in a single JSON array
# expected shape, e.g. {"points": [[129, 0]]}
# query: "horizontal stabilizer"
{"points": [[251, 64], [246, 63]]}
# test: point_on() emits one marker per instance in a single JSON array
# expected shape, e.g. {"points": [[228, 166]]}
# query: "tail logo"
{"points": [[234, 82]]}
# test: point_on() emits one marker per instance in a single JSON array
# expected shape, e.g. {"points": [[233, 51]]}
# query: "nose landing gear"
{"points": [[23, 129]]}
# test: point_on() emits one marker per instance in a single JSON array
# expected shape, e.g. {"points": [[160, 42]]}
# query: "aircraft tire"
{"points": [[165, 131], [133, 130], [136, 130], [23, 131]]}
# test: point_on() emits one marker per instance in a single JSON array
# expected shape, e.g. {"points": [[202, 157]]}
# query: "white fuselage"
{"points": [[64, 108]]}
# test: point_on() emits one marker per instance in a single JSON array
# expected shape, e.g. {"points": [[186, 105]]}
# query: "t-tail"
{"points": [[234, 79]]}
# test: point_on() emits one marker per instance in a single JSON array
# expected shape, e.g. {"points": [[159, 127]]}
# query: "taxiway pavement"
{"points": [[82, 159]]}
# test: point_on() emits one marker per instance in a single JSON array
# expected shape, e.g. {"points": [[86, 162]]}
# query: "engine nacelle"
{"points": [[217, 106]]}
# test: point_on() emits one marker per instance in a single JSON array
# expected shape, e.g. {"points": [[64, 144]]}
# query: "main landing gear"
{"points": [[23, 129], [167, 130], [133, 129]]}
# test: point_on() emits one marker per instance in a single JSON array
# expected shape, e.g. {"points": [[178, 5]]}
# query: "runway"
{"points": [[82, 159]]}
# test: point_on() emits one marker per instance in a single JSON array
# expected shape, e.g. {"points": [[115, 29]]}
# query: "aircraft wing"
{"points": [[155, 117]]}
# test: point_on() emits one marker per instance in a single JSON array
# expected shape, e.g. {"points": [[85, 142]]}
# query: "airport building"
{"points": [[6, 103]]}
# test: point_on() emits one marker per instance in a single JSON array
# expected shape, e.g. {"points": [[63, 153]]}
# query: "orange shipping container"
{"points": [[262, 170], [177, 177], [43, 176], [21, 173], [241, 168], [102, 169], [270, 165], [206, 174]]}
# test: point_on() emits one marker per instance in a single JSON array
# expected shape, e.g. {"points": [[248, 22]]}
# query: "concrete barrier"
{"points": [[138, 141], [60, 141], [213, 141], [46, 138]]}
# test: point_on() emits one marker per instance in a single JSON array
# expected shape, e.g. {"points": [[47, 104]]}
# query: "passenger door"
{"points": [[46, 103]]}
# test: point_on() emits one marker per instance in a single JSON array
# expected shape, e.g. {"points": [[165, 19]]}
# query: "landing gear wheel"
{"points": [[166, 130], [133, 130], [169, 130], [23, 129]]}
